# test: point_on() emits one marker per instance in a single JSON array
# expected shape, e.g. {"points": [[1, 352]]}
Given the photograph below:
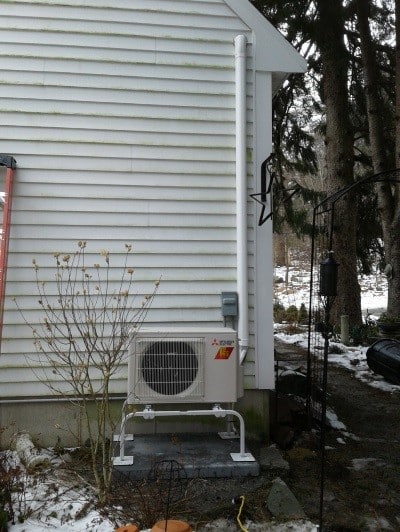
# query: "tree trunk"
{"points": [[388, 194], [280, 249], [371, 89], [392, 239], [339, 155]]}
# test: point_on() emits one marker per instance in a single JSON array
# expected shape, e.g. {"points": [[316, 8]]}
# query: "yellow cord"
{"points": [[242, 528]]}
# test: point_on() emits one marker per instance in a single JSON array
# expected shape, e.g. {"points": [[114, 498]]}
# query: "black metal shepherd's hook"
{"points": [[327, 290]]}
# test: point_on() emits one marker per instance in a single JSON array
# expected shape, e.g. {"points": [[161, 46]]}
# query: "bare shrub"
{"points": [[87, 321]]}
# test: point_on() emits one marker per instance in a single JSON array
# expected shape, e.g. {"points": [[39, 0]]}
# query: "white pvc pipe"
{"points": [[241, 196]]}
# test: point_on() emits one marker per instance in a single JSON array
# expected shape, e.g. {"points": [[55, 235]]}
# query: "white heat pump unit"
{"points": [[171, 365]]}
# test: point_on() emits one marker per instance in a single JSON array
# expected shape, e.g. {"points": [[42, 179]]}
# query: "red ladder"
{"points": [[10, 164]]}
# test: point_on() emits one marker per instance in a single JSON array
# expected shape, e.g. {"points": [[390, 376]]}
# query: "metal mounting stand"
{"points": [[148, 413]]}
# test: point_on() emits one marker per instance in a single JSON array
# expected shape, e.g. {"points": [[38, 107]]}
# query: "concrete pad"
{"points": [[199, 455]]}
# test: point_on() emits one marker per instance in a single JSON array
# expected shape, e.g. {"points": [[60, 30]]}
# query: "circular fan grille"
{"points": [[169, 368]]}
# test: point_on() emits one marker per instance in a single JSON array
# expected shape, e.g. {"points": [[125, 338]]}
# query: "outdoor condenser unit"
{"points": [[171, 365]]}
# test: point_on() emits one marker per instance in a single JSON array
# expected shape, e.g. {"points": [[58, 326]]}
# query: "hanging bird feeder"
{"points": [[328, 275]]}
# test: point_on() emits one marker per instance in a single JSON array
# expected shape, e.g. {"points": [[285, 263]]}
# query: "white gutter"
{"points": [[241, 196]]}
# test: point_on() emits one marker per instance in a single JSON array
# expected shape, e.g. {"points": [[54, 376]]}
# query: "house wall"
{"points": [[121, 117]]}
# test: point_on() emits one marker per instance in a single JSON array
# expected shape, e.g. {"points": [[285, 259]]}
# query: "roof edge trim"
{"points": [[268, 36]]}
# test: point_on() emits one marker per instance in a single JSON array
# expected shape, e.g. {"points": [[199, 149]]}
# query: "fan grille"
{"points": [[170, 367]]}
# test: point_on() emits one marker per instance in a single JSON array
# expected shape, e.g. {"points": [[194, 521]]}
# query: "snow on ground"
{"points": [[373, 303], [54, 500], [93, 522], [57, 505], [352, 358], [297, 289]]}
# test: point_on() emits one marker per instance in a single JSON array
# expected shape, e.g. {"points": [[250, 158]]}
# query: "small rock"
{"points": [[282, 503], [301, 453], [292, 382], [271, 459], [329, 496]]}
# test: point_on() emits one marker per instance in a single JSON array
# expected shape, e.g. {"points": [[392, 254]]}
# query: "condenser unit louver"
{"points": [[183, 365]]}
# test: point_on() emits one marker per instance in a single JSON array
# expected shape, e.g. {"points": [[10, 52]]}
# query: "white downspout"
{"points": [[241, 196]]}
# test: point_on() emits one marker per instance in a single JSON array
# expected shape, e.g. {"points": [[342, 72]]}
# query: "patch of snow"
{"points": [[300, 340], [353, 358], [295, 526], [297, 291], [333, 421], [359, 464], [287, 372], [351, 436], [93, 522], [378, 523], [52, 501]]}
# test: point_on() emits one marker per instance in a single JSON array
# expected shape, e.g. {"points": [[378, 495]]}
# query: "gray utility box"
{"points": [[229, 304]]}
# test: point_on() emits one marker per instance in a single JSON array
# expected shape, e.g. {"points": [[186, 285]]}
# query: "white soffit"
{"points": [[273, 52]]}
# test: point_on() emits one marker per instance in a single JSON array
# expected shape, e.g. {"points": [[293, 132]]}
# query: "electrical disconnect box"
{"points": [[229, 304]]}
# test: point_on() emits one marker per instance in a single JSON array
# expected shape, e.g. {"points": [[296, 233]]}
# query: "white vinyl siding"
{"points": [[121, 116]]}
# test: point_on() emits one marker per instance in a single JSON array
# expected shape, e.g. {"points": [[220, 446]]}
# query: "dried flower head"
{"points": [[106, 254]]}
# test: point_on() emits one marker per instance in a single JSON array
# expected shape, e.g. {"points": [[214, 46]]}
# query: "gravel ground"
{"points": [[362, 473]]}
